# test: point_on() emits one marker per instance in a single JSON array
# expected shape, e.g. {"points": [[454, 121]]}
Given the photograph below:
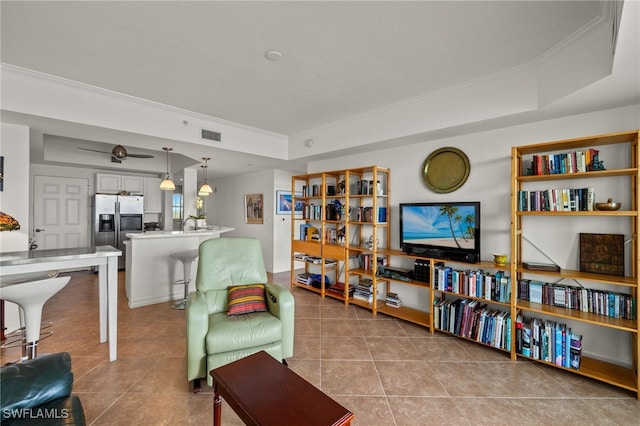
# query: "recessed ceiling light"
{"points": [[273, 55]]}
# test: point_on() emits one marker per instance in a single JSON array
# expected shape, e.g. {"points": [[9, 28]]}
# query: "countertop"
{"points": [[209, 230], [50, 255]]}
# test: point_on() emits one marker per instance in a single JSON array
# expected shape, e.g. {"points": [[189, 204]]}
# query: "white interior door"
{"points": [[60, 212]]}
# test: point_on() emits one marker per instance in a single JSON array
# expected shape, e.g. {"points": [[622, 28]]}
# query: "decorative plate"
{"points": [[445, 170]]}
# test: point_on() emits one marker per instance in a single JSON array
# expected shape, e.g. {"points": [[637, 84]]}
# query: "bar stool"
{"points": [[187, 258], [30, 296]]}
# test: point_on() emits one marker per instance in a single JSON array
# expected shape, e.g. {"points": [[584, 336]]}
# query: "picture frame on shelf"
{"points": [[284, 203], [254, 209]]}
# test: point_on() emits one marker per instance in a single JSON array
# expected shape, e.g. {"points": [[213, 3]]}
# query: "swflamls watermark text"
{"points": [[36, 413]]}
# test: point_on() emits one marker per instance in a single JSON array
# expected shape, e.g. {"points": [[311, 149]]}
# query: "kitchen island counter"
{"points": [[211, 231], [151, 271]]}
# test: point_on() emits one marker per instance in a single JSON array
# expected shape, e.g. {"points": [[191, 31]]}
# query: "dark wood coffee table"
{"points": [[264, 392]]}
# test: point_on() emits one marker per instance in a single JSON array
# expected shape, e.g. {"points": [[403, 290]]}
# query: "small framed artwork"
{"points": [[284, 204], [602, 253], [254, 209]]}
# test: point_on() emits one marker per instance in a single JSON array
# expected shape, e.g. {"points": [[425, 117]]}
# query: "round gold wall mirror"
{"points": [[445, 170]]}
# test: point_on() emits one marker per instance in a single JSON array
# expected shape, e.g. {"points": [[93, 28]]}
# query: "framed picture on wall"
{"points": [[254, 209], [284, 204]]}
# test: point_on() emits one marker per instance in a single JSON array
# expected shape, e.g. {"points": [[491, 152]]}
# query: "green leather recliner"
{"points": [[214, 338]]}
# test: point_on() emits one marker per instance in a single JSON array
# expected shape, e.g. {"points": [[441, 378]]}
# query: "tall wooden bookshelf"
{"points": [[345, 220], [561, 163]]}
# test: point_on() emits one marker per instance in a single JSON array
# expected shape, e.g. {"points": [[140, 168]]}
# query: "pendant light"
{"points": [[205, 189], [167, 184]]}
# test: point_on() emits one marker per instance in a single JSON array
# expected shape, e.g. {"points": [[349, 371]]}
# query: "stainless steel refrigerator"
{"points": [[114, 216]]}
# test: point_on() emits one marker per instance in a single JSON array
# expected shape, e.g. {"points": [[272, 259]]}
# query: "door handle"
{"points": [[39, 230]]}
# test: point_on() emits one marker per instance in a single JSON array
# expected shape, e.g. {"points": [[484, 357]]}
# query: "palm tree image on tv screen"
{"points": [[447, 230]]}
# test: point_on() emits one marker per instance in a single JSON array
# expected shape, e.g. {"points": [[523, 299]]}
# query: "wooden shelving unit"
{"points": [[621, 376], [349, 208]]}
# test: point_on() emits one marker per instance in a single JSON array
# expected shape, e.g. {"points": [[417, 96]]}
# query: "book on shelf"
{"points": [[538, 266], [314, 280], [526, 339], [300, 257], [393, 300], [304, 278], [575, 351], [363, 290], [339, 288]]}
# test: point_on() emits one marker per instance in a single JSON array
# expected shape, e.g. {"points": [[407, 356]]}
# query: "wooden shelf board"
{"points": [[600, 370], [307, 287], [414, 283], [310, 248], [577, 143], [629, 213], [405, 313], [362, 303], [334, 296], [572, 314], [578, 275], [363, 272]]}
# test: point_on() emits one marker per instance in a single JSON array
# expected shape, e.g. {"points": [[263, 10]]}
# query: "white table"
{"points": [[104, 257]]}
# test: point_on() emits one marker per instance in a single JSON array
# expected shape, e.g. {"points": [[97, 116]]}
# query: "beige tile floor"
{"points": [[386, 371]]}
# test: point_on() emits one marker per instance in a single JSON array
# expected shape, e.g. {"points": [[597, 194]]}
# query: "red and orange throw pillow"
{"points": [[244, 299]]}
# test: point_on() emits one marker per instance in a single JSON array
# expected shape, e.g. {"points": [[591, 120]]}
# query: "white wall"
{"points": [[489, 182], [281, 226], [226, 205]]}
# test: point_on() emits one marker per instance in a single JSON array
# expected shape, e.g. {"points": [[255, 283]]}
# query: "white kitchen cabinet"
{"points": [[152, 195], [133, 184], [113, 184], [108, 184]]}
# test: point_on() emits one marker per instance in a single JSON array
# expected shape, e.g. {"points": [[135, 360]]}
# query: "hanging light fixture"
{"points": [[205, 189], [167, 184]]}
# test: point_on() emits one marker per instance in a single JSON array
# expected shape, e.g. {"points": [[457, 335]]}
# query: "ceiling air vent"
{"points": [[211, 135]]}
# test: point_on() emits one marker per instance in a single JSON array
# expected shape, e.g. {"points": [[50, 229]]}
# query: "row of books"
{"points": [[363, 290], [548, 341], [312, 211], [476, 283], [600, 302], [473, 320], [356, 214], [393, 300], [570, 162], [365, 214], [557, 200]]}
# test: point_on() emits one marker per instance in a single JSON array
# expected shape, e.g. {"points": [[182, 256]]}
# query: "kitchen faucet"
{"points": [[195, 224]]}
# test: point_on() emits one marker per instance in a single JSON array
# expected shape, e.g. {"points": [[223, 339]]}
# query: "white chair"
{"points": [[187, 258], [31, 295]]}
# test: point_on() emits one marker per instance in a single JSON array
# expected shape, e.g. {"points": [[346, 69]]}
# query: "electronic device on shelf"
{"points": [[445, 230]]}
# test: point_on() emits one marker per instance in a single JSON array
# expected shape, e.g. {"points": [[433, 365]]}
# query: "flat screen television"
{"points": [[442, 230]]}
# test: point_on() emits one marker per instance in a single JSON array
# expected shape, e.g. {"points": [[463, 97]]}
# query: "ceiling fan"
{"points": [[118, 153]]}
